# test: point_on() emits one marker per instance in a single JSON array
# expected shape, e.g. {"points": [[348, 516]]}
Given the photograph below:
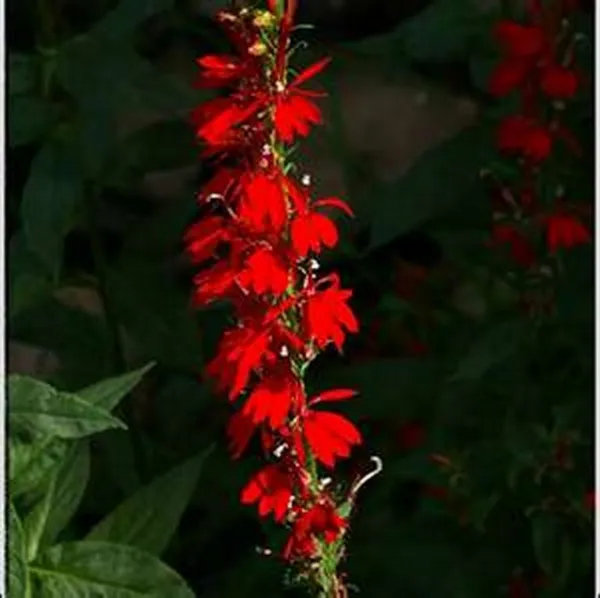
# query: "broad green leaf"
{"points": [[104, 570], [108, 393], [21, 73], [442, 177], [32, 459], [18, 574], [122, 21], [28, 119], [149, 518], [50, 197], [63, 495], [29, 282], [495, 346], [39, 405]]}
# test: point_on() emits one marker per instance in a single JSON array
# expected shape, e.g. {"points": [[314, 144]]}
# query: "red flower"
{"points": [[517, 134], [220, 70], [330, 435], [327, 314], [519, 41], [263, 206], [204, 237], [563, 230], [272, 398], [520, 247], [320, 521], [310, 230], [239, 430], [294, 113], [507, 76], [559, 82], [271, 488], [240, 351], [265, 272]]}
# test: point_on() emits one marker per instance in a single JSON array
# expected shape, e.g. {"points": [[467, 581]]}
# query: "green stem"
{"points": [[119, 362]]}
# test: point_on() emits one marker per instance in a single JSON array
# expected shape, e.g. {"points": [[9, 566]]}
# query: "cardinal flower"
{"points": [[321, 522], [518, 134], [204, 237], [559, 82], [272, 397], [310, 229], [271, 489], [520, 248], [330, 435], [294, 111], [565, 231], [239, 431], [240, 351], [220, 70], [327, 316], [265, 272], [263, 205]]}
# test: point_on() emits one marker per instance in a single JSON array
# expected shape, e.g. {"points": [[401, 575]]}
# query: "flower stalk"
{"points": [[257, 249]]}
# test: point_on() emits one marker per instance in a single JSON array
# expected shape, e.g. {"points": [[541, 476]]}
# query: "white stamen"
{"points": [[284, 351], [305, 180], [214, 197], [279, 87], [313, 264], [325, 482], [266, 150]]}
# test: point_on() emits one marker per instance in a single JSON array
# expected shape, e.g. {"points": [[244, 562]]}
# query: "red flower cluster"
{"points": [[258, 251], [538, 65]]}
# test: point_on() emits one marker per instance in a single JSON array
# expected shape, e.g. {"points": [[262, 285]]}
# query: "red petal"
{"points": [[310, 72]]}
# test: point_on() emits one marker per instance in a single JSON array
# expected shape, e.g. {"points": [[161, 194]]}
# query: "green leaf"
{"points": [[442, 177], [33, 457], [39, 405], [28, 281], [496, 345], [63, 495], [122, 21], [21, 73], [104, 570], [149, 518], [50, 197], [108, 393], [28, 119], [18, 574]]}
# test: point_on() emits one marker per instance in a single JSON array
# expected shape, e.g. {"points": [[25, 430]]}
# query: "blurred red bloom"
{"points": [[565, 231], [559, 82], [520, 248]]}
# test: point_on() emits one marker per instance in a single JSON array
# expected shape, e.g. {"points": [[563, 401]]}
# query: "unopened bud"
{"points": [[257, 49], [263, 19]]}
